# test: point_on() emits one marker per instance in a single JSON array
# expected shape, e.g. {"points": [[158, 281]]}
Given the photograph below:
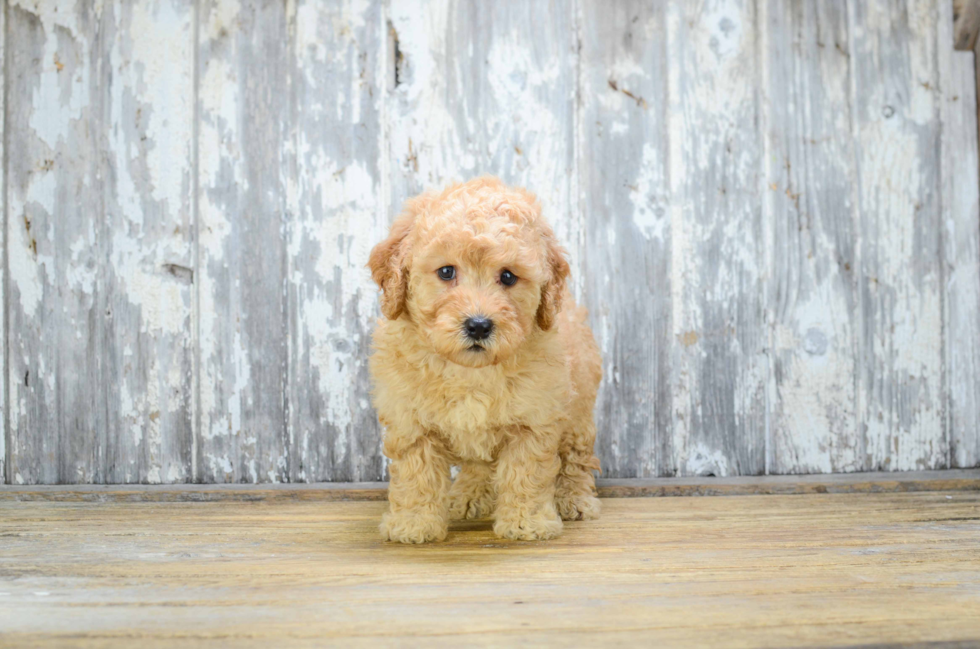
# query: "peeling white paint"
{"points": [[52, 115], [649, 204], [523, 122], [4, 297], [242, 369], [25, 270], [56, 13], [219, 137], [164, 302], [525, 110], [221, 466], [221, 20], [339, 215], [962, 252], [702, 460], [164, 53], [903, 406], [684, 315], [219, 154], [175, 475]]}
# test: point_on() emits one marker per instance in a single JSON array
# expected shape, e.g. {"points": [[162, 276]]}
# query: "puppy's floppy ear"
{"points": [[554, 287], [388, 261]]}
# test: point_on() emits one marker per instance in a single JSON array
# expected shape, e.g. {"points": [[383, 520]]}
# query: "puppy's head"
{"points": [[475, 267]]}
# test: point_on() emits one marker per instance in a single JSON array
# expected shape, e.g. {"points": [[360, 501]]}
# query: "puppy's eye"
{"points": [[508, 278], [446, 273]]}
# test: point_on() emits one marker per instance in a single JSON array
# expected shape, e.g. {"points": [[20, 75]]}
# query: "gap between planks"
{"points": [[879, 482]]}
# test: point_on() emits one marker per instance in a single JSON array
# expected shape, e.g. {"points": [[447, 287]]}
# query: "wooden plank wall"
{"points": [[771, 208], [961, 242]]}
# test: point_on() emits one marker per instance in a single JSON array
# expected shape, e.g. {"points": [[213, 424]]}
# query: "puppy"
{"points": [[477, 364]]}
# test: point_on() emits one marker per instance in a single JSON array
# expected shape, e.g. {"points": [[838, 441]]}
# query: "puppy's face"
{"points": [[475, 268], [475, 286]]}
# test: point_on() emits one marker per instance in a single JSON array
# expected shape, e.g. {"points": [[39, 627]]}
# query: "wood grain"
{"points": [[4, 397], [838, 483], [625, 191], [770, 206], [812, 289], [962, 257], [718, 245], [484, 88], [336, 214], [882, 482], [244, 109], [149, 275], [57, 243], [787, 571], [896, 107]]}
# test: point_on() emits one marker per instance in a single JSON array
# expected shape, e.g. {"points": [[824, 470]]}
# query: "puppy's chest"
{"points": [[470, 407], [472, 417]]}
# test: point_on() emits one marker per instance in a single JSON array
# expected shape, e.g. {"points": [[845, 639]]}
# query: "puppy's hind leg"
{"points": [[471, 495], [575, 492]]}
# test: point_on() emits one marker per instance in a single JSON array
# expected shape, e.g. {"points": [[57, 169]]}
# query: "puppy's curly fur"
{"points": [[514, 410]]}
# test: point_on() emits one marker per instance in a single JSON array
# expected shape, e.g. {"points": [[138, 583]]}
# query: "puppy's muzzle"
{"points": [[478, 328]]}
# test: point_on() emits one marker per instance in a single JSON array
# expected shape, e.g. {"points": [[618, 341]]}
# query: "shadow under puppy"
{"points": [[477, 364]]}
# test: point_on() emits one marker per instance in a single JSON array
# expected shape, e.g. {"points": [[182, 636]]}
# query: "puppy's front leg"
{"points": [[418, 495], [525, 483]]}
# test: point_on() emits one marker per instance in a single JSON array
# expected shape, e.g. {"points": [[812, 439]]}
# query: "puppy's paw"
{"points": [[413, 527], [469, 506], [531, 528], [578, 507]]}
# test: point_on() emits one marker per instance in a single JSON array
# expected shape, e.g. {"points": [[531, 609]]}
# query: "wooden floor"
{"points": [[779, 571]]}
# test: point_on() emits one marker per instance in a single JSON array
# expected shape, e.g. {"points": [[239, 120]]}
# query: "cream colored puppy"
{"points": [[478, 364]]}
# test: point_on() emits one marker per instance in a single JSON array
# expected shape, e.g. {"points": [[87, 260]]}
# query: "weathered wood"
{"points": [[119, 224], [336, 214], [976, 57], [966, 23], [148, 185], [780, 571], [4, 428], [177, 493], [57, 242], [897, 132], [625, 193], [839, 483], [484, 88], [809, 204], [895, 481], [718, 254], [245, 104], [962, 257], [751, 193]]}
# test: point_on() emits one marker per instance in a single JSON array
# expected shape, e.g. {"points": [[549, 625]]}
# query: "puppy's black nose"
{"points": [[478, 328]]}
